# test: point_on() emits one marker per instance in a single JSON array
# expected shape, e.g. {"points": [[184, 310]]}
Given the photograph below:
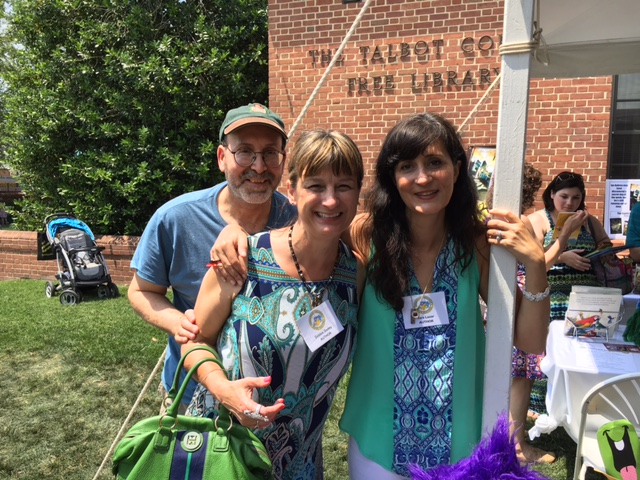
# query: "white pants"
{"points": [[361, 468]]}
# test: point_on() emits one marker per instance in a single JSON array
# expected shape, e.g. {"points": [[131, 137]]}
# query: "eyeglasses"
{"points": [[563, 177], [245, 157]]}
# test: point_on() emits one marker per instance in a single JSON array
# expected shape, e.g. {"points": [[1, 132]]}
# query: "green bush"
{"points": [[112, 108]]}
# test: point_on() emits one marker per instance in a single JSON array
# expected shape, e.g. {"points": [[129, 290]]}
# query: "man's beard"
{"points": [[250, 192]]}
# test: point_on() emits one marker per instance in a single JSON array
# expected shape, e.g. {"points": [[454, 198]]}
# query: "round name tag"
{"points": [[317, 320], [423, 306]]}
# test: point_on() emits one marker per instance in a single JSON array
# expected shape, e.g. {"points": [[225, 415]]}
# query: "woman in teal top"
{"points": [[415, 393], [633, 233]]}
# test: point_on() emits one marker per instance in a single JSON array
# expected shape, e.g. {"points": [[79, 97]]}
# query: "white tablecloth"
{"points": [[574, 366]]}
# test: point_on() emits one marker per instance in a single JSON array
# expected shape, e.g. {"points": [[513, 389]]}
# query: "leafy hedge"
{"points": [[112, 107]]}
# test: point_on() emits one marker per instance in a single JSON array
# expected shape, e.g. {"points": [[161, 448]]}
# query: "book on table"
{"points": [[593, 312]]}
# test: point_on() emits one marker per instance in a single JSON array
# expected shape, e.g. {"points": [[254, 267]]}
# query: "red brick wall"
{"points": [[568, 129], [568, 123], [18, 257]]}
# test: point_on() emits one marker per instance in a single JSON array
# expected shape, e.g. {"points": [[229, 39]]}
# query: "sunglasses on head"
{"points": [[563, 177]]}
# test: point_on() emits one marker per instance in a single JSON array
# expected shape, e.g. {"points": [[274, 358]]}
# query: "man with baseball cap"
{"points": [[174, 247]]}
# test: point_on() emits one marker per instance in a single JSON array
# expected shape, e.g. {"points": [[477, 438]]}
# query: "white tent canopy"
{"points": [[587, 38], [583, 38]]}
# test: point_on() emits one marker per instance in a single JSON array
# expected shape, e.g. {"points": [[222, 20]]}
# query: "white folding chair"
{"points": [[612, 399]]}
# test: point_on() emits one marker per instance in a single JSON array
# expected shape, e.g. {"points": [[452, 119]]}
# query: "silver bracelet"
{"points": [[535, 297]]}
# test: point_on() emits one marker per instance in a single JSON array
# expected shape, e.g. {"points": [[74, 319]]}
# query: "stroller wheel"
{"points": [[113, 290], [103, 292], [50, 289], [69, 297]]}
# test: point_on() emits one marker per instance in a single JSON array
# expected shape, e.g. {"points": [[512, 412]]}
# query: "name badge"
{"points": [[319, 326], [425, 310]]}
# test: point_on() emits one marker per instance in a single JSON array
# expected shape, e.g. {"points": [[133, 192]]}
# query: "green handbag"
{"points": [[175, 446]]}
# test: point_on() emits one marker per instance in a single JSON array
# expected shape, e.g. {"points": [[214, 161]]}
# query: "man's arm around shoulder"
{"points": [[151, 303]]}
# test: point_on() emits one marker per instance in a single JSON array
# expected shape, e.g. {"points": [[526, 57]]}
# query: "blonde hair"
{"points": [[318, 149]]}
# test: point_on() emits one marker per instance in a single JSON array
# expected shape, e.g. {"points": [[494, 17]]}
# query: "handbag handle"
{"points": [[176, 393], [599, 243]]}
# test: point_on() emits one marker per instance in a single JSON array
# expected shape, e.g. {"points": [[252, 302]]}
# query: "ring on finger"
{"points": [[214, 263], [499, 236], [255, 416]]}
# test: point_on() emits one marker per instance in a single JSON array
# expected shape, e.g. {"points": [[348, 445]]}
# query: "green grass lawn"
{"points": [[70, 375]]}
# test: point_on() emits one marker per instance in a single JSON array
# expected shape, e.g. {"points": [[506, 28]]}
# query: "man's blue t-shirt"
{"points": [[633, 227], [174, 250]]}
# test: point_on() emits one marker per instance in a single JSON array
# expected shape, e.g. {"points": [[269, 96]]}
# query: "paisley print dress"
{"points": [[261, 338]]}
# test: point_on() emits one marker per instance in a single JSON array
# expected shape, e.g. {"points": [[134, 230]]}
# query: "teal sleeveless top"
{"points": [[415, 396]]}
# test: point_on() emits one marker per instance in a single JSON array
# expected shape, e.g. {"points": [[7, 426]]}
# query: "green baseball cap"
{"points": [[252, 114]]}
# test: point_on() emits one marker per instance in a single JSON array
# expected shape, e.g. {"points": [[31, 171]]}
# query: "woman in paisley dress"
{"points": [[286, 335], [415, 391]]}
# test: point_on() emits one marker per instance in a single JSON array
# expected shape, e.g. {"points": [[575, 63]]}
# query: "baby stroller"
{"points": [[81, 265]]}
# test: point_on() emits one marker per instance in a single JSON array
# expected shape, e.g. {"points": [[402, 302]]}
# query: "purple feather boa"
{"points": [[494, 458]]}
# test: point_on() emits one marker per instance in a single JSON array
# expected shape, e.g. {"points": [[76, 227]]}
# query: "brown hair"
{"points": [[531, 183], [318, 149], [560, 182]]}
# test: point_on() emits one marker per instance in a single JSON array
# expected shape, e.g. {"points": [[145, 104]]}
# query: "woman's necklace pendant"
{"points": [[316, 298]]}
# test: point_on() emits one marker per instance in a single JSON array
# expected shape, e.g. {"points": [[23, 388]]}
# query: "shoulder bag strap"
{"points": [[592, 232], [172, 411], [177, 389]]}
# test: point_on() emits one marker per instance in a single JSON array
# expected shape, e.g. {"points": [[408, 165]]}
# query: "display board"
{"points": [[621, 196]]}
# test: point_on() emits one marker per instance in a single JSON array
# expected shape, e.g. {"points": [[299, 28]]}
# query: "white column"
{"points": [[510, 154]]}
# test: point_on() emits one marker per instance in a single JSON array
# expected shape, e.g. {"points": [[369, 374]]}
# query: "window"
{"points": [[624, 142]]}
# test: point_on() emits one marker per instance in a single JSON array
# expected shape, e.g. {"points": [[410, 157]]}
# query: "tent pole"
{"points": [[510, 155]]}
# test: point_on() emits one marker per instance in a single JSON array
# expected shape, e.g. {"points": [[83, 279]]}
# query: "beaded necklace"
{"points": [[316, 297]]}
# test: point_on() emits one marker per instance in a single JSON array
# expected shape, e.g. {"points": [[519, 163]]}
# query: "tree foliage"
{"points": [[111, 107]]}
